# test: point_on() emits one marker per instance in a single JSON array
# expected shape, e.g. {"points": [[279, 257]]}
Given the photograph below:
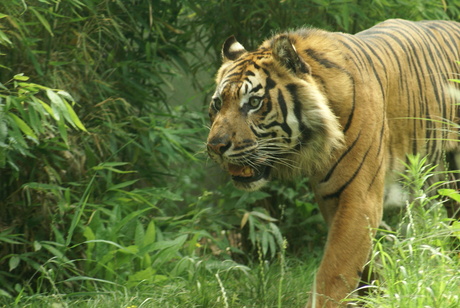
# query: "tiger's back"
{"points": [[400, 96], [413, 64], [344, 110]]}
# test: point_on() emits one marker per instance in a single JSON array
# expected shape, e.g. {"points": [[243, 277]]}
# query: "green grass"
{"points": [[236, 286], [418, 264], [414, 270]]}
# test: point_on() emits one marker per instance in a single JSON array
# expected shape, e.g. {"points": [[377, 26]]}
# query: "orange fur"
{"points": [[344, 110]]}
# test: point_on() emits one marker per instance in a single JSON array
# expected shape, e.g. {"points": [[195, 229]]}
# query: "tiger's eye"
{"points": [[255, 102], [217, 103]]}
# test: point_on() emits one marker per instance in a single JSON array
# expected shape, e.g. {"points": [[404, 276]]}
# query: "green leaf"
{"points": [[273, 248], [34, 120], [46, 106], [110, 166], [4, 40], [37, 246], [264, 243], [56, 252], [14, 262], [42, 20], [139, 234], [90, 236], [66, 95], [132, 249], [24, 127], [62, 130], [20, 77], [176, 243], [41, 186], [150, 233], [123, 185], [451, 193], [276, 233], [17, 141], [74, 117], [146, 274], [84, 278], [126, 219], [455, 227], [3, 129], [57, 105], [263, 216], [168, 249]]}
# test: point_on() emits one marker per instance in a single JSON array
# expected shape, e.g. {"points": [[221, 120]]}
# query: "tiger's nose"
{"points": [[218, 145]]}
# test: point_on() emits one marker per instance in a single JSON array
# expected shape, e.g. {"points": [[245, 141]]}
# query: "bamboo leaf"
{"points": [[244, 220], [122, 185], [34, 120], [63, 130], [57, 105], [66, 95], [3, 130], [24, 127], [263, 216], [42, 20], [20, 77], [4, 40], [75, 120], [16, 139], [45, 106]]}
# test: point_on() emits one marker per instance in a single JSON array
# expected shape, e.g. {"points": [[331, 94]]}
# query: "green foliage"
{"points": [[27, 121], [253, 21], [103, 194], [60, 186], [417, 265]]}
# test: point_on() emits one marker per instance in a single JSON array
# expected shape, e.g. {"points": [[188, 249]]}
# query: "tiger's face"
{"points": [[262, 114], [251, 128]]}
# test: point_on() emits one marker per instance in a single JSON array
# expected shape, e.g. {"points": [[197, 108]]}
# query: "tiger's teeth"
{"points": [[247, 171], [238, 170]]}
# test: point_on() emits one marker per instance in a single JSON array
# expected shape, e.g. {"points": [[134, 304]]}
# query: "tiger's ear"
{"points": [[285, 53], [232, 49]]}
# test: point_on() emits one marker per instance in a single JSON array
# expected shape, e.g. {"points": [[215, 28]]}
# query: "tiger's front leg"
{"points": [[352, 220]]}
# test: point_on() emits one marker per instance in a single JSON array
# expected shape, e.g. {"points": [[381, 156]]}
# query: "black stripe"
{"points": [[329, 174], [263, 135], [370, 64], [256, 88], [375, 174], [339, 191], [284, 125], [324, 62]]}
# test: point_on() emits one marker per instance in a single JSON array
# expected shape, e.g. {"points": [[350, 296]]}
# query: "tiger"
{"points": [[343, 110]]}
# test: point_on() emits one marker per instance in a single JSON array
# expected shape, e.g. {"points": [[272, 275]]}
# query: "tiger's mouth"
{"points": [[248, 174]]}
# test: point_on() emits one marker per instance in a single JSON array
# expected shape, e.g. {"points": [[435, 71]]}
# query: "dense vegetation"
{"points": [[106, 196]]}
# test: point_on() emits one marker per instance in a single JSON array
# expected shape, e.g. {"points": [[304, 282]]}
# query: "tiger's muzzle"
{"points": [[248, 170]]}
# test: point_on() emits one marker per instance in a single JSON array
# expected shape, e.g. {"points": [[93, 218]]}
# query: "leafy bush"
{"points": [[64, 191], [104, 188]]}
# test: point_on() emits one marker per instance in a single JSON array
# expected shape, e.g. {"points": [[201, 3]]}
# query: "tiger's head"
{"points": [[269, 117]]}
